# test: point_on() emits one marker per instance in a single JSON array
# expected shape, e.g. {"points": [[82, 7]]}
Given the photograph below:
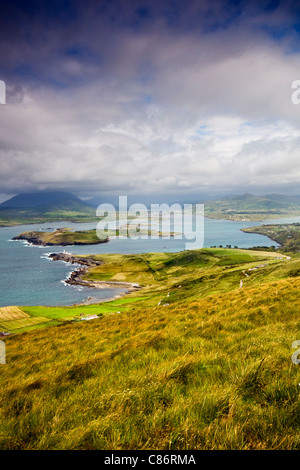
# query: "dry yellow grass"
{"points": [[12, 313], [209, 368], [12, 325], [215, 373]]}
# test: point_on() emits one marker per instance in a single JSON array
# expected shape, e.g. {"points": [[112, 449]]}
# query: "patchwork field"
{"points": [[13, 318], [12, 313], [12, 325]]}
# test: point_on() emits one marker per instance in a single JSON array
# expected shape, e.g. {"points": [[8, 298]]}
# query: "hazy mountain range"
{"points": [[51, 204], [45, 201], [249, 201]]}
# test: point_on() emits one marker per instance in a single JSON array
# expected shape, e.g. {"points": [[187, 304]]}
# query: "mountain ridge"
{"points": [[250, 207], [45, 206], [41, 199]]}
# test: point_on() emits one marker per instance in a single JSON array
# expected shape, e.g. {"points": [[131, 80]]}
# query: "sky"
{"points": [[186, 99]]}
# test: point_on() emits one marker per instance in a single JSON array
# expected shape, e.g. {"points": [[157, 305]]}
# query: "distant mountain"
{"points": [[147, 200], [96, 201], [282, 197], [248, 206], [44, 206], [45, 200]]}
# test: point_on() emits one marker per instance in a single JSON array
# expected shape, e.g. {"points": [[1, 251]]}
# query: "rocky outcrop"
{"points": [[70, 258], [76, 277], [33, 239]]}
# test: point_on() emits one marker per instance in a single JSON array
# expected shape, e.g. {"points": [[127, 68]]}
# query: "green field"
{"points": [[287, 235], [251, 207], [191, 361], [41, 316], [62, 237], [14, 325], [164, 278], [73, 313], [13, 218]]}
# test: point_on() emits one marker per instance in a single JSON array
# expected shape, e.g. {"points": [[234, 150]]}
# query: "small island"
{"points": [[62, 237]]}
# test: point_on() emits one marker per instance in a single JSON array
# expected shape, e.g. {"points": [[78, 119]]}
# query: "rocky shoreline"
{"points": [[34, 240], [76, 276]]}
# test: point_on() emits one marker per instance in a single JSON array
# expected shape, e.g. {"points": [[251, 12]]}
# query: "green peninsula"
{"points": [[62, 237], [250, 207], [287, 235]]}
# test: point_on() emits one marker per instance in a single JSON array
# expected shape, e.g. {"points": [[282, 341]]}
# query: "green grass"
{"points": [[41, 316], [197, 272], [69, 313], [211, 369], [250, 207], [287, 235], [28, 218], [173, 277], [62, 237]]}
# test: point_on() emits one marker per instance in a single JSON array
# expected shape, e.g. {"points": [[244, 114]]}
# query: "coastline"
{"points": [[251, 230], [75, 277], [61, 237]]}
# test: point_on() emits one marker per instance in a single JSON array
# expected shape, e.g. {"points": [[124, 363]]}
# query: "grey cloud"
{"points": [[152, 105]]}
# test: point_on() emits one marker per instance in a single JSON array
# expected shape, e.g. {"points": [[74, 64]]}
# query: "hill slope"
{"points": [[288, 235], [250, 207], [44, 206], [41, 199], [62, 237], [200, 370]]}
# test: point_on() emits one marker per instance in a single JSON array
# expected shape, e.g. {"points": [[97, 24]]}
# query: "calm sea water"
{"points": [[29, 277]]}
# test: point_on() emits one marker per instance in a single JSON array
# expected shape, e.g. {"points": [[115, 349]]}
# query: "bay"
{"points": [[29, 277]]}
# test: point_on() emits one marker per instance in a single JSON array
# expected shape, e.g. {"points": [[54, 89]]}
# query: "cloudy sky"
{"points": [[183, 97]]}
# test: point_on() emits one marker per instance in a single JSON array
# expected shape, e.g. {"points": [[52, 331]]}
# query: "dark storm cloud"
{"points": [[156, 96]]}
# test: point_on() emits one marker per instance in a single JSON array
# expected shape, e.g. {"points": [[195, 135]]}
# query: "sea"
{"points": [[29, 277]]}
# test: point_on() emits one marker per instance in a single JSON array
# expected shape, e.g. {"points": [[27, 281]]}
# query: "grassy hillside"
{"points": [[45, 206], [65, 236], [13, 217], [193, 361], [62, 237], [250, 207], [288, 235]]}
